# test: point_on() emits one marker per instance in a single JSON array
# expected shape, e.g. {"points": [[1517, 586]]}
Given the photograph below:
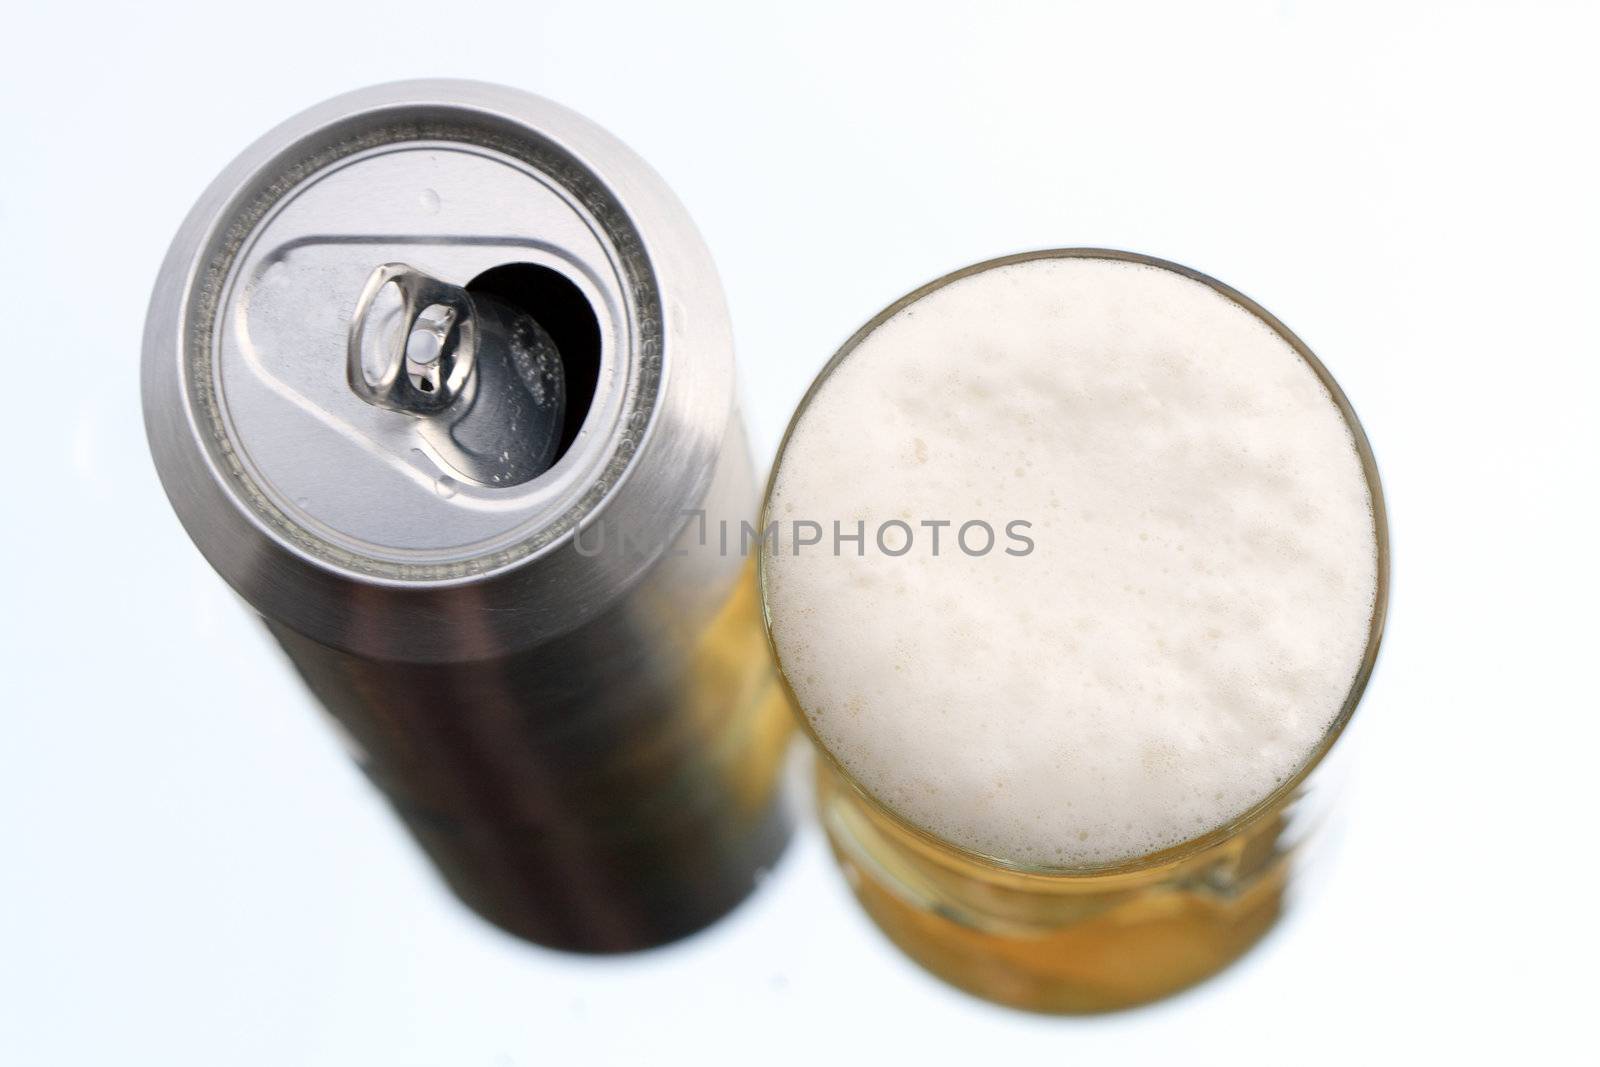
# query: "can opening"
{"points": [[559, 306]]}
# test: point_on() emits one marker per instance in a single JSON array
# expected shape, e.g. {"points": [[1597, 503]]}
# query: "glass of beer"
{"points": [[1076, 565]]}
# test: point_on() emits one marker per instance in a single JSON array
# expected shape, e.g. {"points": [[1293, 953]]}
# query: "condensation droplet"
{"points": [[429, 201], [445, 486]]}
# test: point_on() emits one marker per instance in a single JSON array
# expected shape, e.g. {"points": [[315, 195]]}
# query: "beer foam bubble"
{"points": [[1197, 601]]}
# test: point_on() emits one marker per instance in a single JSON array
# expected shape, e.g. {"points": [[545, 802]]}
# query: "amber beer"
{"points": [[1066, 770]]}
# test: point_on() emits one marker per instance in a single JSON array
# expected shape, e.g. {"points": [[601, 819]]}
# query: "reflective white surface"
{"points": [[191, 872]]}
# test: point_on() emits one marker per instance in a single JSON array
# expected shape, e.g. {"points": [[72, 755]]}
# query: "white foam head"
{"points": [[1199, 595]]}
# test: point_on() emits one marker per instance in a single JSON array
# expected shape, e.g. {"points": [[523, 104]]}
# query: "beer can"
{"points": [[439, 378]]}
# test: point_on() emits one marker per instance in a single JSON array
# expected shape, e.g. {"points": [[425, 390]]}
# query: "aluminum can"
{"points": [[438, 376]]}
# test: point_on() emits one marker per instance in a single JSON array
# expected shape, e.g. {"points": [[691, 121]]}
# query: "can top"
{"points": [[364, 485], [534, 260]]}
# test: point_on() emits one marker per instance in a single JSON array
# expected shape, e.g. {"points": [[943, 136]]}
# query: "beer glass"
{"points": [[1086, 938]]}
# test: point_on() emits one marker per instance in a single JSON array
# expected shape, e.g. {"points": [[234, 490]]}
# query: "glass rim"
{"points": [[1280, 794]]}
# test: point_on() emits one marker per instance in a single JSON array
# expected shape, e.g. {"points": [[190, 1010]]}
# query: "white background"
{"points": [[192, 873]]}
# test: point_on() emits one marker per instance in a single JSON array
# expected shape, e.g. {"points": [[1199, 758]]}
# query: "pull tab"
{"points": [[483, 379], [413, 341]]}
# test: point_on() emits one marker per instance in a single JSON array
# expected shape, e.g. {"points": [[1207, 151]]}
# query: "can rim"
{"points": [[334, 145], [663, 459], [1275, 799]]}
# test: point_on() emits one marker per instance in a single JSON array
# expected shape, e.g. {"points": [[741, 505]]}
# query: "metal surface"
{"points": [[582, 730], [483, 380]]}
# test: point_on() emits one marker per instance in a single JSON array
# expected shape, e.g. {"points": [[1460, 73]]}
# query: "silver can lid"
{"points": [[362, 484], [355, 458]]}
